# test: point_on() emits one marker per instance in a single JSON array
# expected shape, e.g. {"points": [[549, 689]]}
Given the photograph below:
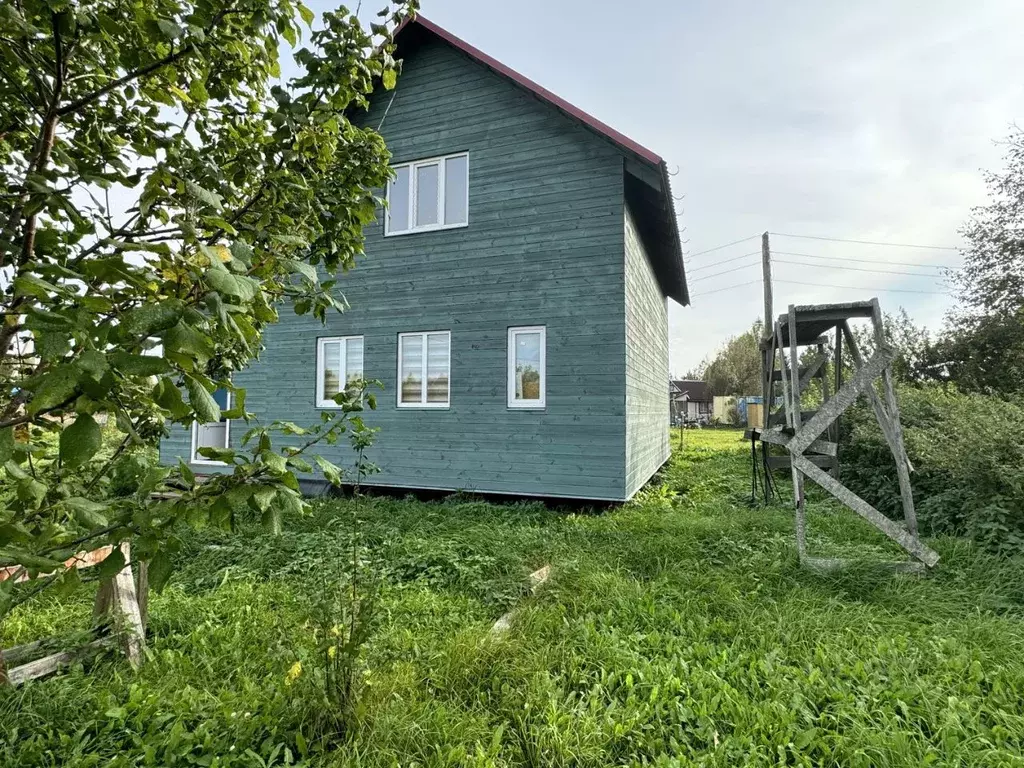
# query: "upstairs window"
{"points": [[428, 194], [526, 363], [339, 362], [424, 368]]}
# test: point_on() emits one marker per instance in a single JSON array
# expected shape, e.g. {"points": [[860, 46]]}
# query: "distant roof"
{"points": [[693, 389], [656, 218]]}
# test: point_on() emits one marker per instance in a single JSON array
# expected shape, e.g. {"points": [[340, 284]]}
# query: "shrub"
{"points": [[968, 459]]}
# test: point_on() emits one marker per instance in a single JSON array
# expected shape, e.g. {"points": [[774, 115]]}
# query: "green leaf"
{"points": [[6, 444], [12, 556], [88, 513], [160, 569], [112, 565], [132, 366], [203, 195], [80, 441], [169, 29], [150, 319], [306, 14], [390, 79], [230, 284], [241, 251], [331, 471], [28, 284], [57, 386], [206, 409], [30, 491], [302, 268]]}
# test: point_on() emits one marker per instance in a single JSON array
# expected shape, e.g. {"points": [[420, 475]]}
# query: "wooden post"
{"points": [[798, 478], [768, 331]]}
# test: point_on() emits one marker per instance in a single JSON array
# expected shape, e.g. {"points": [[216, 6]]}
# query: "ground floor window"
{"points": [[213, 435], [339, 362], [526, 364], [424, 369]]}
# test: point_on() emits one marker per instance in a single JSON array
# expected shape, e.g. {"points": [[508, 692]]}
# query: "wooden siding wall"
{"points": [[544, 246], [647, 406]]}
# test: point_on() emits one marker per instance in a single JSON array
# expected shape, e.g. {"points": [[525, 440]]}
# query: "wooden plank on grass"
{"points": [[50, 664]]}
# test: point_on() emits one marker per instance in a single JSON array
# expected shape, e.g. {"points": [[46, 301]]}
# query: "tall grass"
{"points": [[676, 630]]}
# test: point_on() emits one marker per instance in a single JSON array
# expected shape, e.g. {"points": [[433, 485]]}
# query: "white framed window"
{"points": [[427, 195], [527, 360], [339, 362], [213, 435], [424, 369]]}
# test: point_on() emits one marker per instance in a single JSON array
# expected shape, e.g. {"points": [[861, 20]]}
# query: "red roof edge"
{"points": [[538, 90]]}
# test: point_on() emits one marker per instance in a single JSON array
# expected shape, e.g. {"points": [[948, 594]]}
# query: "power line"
{"points": [[869, 242], [822, 285], [862, 261], [853, 269], [723, 272], [819, 266], [863, 288], [720, 263], [727, 288], [720, 247]]}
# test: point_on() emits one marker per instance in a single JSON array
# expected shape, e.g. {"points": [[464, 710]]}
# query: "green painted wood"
{"points": [[544, 246], [646, 330]]}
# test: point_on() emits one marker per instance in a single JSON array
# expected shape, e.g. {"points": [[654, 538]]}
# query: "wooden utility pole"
{"points": [[767, 331], [766, 268]]}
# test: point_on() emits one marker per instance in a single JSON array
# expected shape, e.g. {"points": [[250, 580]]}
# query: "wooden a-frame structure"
{"points": [[811, 438]]}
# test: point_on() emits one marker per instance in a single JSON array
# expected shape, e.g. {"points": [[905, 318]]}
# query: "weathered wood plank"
{"points": [[842, 400], [893, 530], [50, 664], [795, 403], [776, 437], [783, 462]]}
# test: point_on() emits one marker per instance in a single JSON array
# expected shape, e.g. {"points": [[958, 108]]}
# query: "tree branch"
{"points": [[83, 101]]}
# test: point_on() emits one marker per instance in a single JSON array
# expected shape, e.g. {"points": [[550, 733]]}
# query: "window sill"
{"points": [[526, 407], [209, 463], [425, 406], [433, 228]]}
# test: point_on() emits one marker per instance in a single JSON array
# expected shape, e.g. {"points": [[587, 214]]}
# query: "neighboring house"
{"points": [[692, 401], [512, 299]]}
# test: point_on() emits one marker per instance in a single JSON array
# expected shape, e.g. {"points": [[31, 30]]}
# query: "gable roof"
{"points": [[693, 390], [647, 187]]}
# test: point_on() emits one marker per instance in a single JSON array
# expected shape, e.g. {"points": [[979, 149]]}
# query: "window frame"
{"points": [[423, 403], [511, 401], [195, 458], [412, 165], [327, 402]]}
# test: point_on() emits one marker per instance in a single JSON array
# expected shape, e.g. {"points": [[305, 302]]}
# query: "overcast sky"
{"points": [[869, 120]]}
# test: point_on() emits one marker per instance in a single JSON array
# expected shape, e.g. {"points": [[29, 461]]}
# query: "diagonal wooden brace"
{"points": [[843, 399], [893, 530]]}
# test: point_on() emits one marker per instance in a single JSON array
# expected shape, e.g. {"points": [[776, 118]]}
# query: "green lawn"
{"points": [[676, 630]]}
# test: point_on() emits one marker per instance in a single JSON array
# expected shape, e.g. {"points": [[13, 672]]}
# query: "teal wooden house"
{"points": [[513, 298]]}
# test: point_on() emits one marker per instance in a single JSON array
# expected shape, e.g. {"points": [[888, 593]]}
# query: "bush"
{"points": [[968, 459]]}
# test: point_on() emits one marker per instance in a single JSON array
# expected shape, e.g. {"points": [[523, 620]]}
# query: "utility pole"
{"points": [[766, 268], [768, 331]]}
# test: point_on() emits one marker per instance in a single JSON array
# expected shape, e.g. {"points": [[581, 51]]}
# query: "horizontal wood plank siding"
{"points": [[647, 446], [544, 246]]}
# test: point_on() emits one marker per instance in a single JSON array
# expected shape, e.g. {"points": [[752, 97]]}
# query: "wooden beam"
{"points": [[783, 462], [893, 530], [50, 664], [776, 437], [798, 478], [842, 400], [899, 450]]}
